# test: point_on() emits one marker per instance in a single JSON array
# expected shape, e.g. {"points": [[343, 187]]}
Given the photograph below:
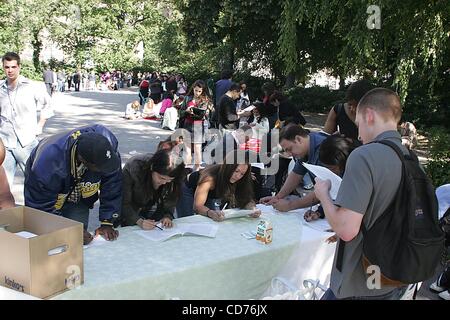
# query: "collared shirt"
{"points": [[315, 140], [18, 111]]}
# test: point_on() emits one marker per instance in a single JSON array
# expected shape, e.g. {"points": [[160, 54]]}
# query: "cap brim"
{"points": [[111, 165]]}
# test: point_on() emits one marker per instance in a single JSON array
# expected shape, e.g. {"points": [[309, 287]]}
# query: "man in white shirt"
{"points": [[20, 99]]}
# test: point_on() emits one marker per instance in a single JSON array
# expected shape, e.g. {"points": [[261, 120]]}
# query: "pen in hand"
{"points": [[224, 207], [151, 223]]}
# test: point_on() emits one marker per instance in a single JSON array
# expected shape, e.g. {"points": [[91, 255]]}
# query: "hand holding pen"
{"points": [[147, 224]]}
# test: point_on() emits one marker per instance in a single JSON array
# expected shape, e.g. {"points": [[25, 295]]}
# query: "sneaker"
{"points": [[436, 288], [443, 281], [445, 295]]}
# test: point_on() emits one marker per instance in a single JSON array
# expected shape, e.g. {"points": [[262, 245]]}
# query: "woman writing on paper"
{"points": [[151, 188], [208, 191]]}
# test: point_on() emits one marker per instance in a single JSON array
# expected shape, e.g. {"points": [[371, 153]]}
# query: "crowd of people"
{"points": [[176, 180]]}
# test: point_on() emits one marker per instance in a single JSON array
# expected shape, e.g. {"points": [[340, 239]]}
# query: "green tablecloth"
{"points": [[189, 267]]}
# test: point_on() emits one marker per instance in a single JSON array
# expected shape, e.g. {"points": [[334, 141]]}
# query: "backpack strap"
{"points": [[402, 156]]}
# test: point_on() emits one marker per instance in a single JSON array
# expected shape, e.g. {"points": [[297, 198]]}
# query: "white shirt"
{"points": [[18, 111], [262, 127]]}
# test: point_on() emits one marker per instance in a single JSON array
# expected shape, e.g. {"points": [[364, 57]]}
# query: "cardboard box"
{"points": [[44, 265]]}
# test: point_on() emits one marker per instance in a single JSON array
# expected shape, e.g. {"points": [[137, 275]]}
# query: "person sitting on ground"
{"points": [[132, 111], [148, 111], [166, 103], [206, 192], [409, 134], [151, 188], [341, 117], [6, 197]]}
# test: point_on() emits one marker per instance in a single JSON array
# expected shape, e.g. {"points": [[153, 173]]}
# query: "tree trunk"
{"points": [[341, 82], [37, 48], [230, 65], [290, 80]]}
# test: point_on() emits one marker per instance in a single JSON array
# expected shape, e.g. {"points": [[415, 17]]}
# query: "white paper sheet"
{"points": [[319, 224], [200, 229], [236, 213], [324, 174], [249, 108], [96, 242], [25, 234]]}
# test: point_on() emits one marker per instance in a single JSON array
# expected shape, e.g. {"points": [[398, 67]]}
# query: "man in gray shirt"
{"points": [[372, 177], [20, 100]]}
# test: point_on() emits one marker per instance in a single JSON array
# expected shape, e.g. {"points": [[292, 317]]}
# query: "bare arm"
{"points": [[201, 195], [6, 197], [292, 181], [345, 222], [330, 125]]}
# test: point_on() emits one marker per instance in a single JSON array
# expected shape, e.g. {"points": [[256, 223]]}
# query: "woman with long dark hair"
{"points": [[195, 111], [206, 192], [151, 188]]}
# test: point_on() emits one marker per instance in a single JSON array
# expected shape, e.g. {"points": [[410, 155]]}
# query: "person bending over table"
{"points": [[209, 190], [304, 146], [151, 188]]}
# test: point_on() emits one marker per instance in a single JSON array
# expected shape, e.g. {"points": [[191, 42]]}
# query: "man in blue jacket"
{"points": [[66, 172]]}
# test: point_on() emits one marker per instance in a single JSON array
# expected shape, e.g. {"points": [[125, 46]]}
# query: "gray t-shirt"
{"points": [[372, 177]]}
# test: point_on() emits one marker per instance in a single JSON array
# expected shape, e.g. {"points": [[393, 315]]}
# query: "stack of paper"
{"points": [[25, 234], [200, 229]]}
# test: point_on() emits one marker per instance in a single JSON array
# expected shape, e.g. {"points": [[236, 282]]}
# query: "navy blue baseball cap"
{"points": [[97, 150]]}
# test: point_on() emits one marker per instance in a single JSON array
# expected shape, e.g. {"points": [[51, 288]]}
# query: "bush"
{"points": [[438, 167], [315, 99]]}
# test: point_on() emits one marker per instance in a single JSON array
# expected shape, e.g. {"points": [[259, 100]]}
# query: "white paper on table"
{"points": [[319, 224], [266, 209], [249, 108], [25, 234], [324, 174], [236, 213], [200, 229], [96, 242]]}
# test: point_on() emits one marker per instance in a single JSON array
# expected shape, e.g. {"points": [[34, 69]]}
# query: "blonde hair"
{"points": [[135, 105]]}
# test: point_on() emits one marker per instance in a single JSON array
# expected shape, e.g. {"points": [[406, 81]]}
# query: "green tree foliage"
{"points": [[412, 39]]}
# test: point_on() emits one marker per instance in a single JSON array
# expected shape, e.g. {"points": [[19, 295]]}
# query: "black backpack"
{"points": [[406, 241]]}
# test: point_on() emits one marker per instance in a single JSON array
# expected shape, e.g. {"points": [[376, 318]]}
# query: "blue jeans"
{"points": [[395, 294], [17, 157], [76, 211], [185, 205]]}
